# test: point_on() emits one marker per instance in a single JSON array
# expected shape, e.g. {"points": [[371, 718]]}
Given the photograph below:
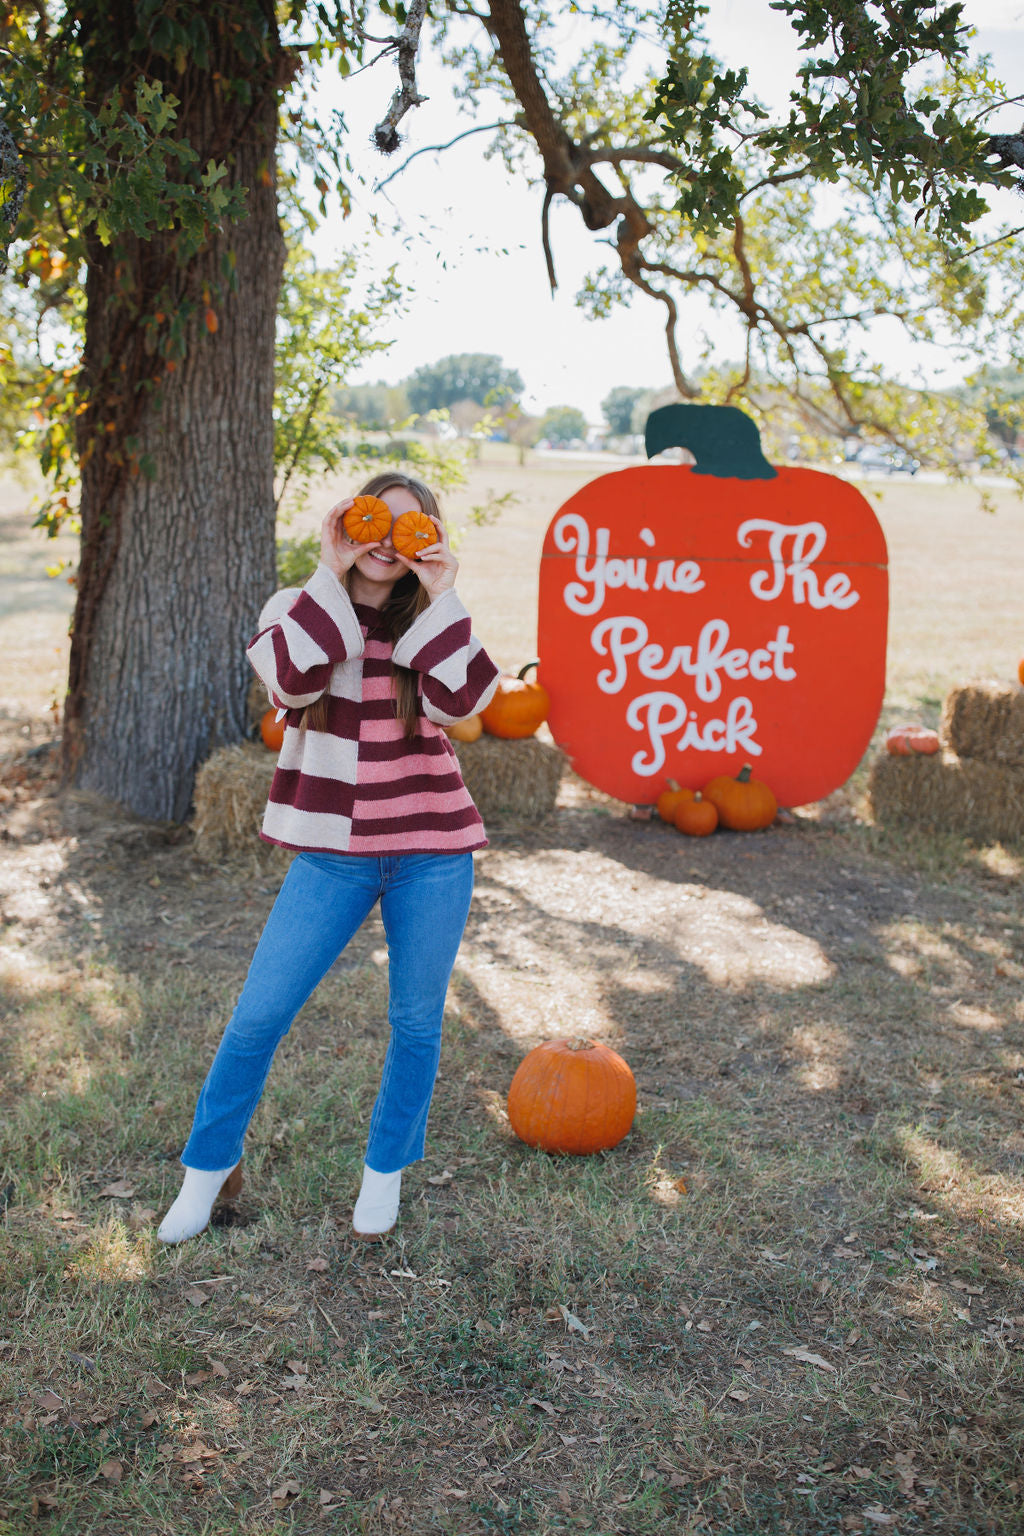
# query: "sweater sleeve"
{"points": [[303, 633], [457, 676]]}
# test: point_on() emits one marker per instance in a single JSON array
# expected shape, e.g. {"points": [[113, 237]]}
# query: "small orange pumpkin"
{"points": [[1020, 669], [697, 817], [744, 804], [367, 520], [575, 1096], [412, 533], [907, 740], [670, 799], [518, 707], [272, 730], [465, 730]]}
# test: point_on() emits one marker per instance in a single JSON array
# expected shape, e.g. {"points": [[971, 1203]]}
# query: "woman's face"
{"points": [[377, 570]]}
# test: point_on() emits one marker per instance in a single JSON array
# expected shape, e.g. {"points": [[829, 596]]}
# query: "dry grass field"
{"points": [[789, 1302]]}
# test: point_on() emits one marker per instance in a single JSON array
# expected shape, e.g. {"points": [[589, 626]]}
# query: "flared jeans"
{"points": [[424, 902]]}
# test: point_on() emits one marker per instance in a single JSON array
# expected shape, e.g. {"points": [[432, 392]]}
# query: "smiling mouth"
{"points": [[383, 559]]}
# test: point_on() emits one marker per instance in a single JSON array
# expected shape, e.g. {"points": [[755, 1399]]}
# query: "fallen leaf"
{"points": [[739, 1397], [773, 1258], [196, 1378], [441, 1178], [244, 1456], [42, 1503], [288, 1490], [861, 1472], [810, 1358], [879, 1517], [111, 1469], [195, 1452], [317, 1266], [149, 1418], [298, 1366], [538, 1402], [48, 1401], [197, 1296], [376, 1316], [680, 1185], [218, 1368], [705, 1327], [573, 1323], [326, 1497], [853, 1337], [121, 1190]]}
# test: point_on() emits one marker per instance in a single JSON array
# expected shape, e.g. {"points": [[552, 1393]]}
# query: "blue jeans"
{"points": [[424, 902]]}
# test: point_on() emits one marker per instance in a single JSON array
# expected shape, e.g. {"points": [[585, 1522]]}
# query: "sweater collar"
{"points": [[369, 618]]}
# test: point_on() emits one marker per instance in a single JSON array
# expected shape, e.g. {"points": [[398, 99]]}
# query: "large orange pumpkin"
{"points": [[744, 804], [367, 520], [691, 617], [574, 1096], [517, 708]]}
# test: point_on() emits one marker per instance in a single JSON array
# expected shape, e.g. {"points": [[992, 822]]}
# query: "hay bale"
{"points": [[982, 801], [511, 778], [230, 797], [986, 720]]}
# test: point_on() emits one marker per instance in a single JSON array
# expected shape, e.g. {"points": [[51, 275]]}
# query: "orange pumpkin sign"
{"points": [[696, 619]]}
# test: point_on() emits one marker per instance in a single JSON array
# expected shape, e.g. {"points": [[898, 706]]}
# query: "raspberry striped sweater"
{"points": [[361, 786]]}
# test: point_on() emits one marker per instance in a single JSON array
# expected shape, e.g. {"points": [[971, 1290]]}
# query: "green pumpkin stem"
{"points": [[724, 440], [743, 777], [521, 674]]}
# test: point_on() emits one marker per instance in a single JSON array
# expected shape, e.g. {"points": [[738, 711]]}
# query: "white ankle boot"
{"points": [[377, 1207], [190, 1213]]}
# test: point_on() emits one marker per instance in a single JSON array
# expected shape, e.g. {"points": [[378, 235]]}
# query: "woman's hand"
{"points": [[337, 551], [436, 567]]}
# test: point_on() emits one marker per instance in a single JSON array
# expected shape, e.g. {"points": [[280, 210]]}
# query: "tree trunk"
{"points": [[175, 566]]}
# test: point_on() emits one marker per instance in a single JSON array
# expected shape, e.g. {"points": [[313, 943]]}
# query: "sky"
{"points": [[470, 249]]}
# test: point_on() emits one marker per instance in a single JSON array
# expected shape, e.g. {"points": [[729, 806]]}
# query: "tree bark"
{"points": [[175, 568]]}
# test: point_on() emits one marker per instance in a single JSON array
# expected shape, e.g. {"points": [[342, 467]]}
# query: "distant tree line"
{"points": [[476, 389]]}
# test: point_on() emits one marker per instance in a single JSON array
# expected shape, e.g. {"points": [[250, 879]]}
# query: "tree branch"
{"points": [[385, 135], [436, 149]]}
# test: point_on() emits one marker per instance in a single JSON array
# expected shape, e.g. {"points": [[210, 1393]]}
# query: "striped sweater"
{"points": [[361, 786]]}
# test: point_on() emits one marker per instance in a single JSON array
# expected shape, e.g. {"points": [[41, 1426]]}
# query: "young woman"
{"points": [[368, 660]]}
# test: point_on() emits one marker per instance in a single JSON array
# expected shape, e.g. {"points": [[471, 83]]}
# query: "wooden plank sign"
{"points": [[694, 619]]}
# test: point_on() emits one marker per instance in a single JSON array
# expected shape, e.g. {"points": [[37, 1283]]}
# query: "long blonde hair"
{"points": [[407, 600]]}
